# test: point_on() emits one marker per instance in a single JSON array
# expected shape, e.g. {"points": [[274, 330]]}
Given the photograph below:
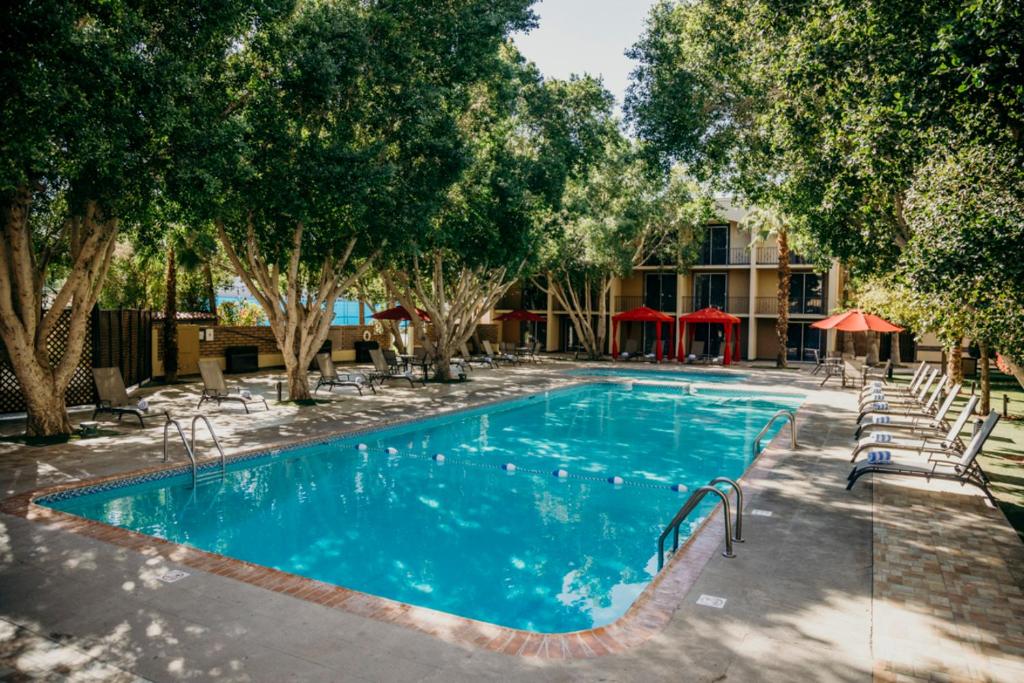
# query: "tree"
{"points": [[338, 137], [90, 93], [765, 223]]}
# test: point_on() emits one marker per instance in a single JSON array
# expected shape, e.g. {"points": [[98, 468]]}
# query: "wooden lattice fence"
{"points": [[121, 338]]}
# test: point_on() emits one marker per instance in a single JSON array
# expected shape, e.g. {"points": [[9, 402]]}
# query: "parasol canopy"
{"points": [[856, 321]]}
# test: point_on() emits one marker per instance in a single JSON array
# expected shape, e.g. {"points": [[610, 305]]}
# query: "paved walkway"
{"points": [[799, 599]]}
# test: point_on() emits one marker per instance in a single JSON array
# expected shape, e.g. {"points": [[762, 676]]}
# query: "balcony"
{"points": [[735, 256], [737, 305], [769, 305], [769, 256]]}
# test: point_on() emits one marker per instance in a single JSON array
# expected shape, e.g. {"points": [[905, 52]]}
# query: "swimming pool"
{"points": [[627, 372], [522, 548]]}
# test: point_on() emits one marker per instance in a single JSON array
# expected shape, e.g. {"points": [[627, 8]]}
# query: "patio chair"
{"points": [[652, 356], [879, 374], [816, 357], [383, 372], [113, 398], [478, 358], [330, 378], [913, 423], [216, 389], [504, 357], [949, 466], [949, 440]]}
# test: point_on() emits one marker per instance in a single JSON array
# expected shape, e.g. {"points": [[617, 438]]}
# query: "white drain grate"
{"points": [[711, 601], [173, 575]]}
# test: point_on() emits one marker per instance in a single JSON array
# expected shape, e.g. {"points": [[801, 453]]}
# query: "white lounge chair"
{"points": [[949, 465], [920, 443], [914, 423]]}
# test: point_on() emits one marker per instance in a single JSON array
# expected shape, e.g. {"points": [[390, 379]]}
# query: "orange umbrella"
{"points": [[856, 321]]}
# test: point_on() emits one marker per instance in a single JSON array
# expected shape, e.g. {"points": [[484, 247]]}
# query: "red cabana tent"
{"points": [[640, 314], [521, 314], [399, 313], [715, 316]]}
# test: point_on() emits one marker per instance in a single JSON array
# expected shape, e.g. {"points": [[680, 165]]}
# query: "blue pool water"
{"points": [[522, 549], [634, 372]]}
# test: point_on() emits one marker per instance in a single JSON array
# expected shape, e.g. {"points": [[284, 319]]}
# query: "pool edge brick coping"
{"points": [[647, 616]]}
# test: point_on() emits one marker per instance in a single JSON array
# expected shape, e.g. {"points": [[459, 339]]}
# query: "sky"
{"points": [[586, 36]]}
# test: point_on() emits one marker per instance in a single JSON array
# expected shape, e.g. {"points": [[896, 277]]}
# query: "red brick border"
{"points": [[648, 614]]}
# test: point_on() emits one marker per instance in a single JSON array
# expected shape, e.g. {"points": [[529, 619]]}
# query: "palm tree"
{"points": [[762, 224]]}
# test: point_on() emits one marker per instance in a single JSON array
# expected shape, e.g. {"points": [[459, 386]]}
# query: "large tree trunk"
{"points": [[300, 318], [88, 239], [895, 354], [954, 364], [170, 340], [849, 347], [1015, 366], [872, 351], [211, 291], [782, 321], [986, 379], [455, 308]]}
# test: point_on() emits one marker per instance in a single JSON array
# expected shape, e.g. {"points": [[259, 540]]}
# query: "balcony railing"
{"points": [[770, 256], [735, 256], [769, 305], [739, 305]]}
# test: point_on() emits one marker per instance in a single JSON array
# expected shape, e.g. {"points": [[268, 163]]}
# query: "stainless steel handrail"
{"points": [[190, 447], [764, 430], [184, 442], [688, 507], [738, 536], [209, 428]]}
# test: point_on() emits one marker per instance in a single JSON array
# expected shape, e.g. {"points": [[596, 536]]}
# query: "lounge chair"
{"points": [[330, 378], [900, 400], [216, 389], [918, 405], [950, 466], [696, 354], [383, 372], [915, 423], [652, 356], [950, 440], [113, 397], [504, 357], [630, 350], [909, 390], [478, 358]]}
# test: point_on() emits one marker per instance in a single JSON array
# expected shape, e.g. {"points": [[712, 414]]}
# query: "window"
{"points": [[806, 293], [710, 289], [715, 250], [802, 339], [660, 291]]}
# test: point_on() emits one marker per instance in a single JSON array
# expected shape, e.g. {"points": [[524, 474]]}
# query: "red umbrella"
{"points": [[399, 313], [521, 314], [856, 321]]}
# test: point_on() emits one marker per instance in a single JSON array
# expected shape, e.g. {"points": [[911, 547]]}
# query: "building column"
{"points": [[752, 315], [832, 303]]}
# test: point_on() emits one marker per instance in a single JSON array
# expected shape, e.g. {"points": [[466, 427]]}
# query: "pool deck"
{"points": [[891, 581]]}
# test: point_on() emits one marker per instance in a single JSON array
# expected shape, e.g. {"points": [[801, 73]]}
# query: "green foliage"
{"points": [[136, 279], [341, 116], [241, 313], [91, 92]]}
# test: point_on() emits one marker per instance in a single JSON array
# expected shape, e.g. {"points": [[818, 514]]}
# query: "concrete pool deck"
{"points": [[888, 581]]}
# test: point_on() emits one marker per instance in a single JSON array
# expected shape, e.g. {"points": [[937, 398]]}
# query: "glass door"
{"points": [[710, 289], [715, 250]]}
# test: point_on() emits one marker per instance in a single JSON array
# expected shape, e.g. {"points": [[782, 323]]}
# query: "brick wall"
{"points": [[342, 338]]}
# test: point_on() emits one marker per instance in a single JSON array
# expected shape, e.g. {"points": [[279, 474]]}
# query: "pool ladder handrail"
{"points": [[786, 413], [691, 503], [190, 448]]}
